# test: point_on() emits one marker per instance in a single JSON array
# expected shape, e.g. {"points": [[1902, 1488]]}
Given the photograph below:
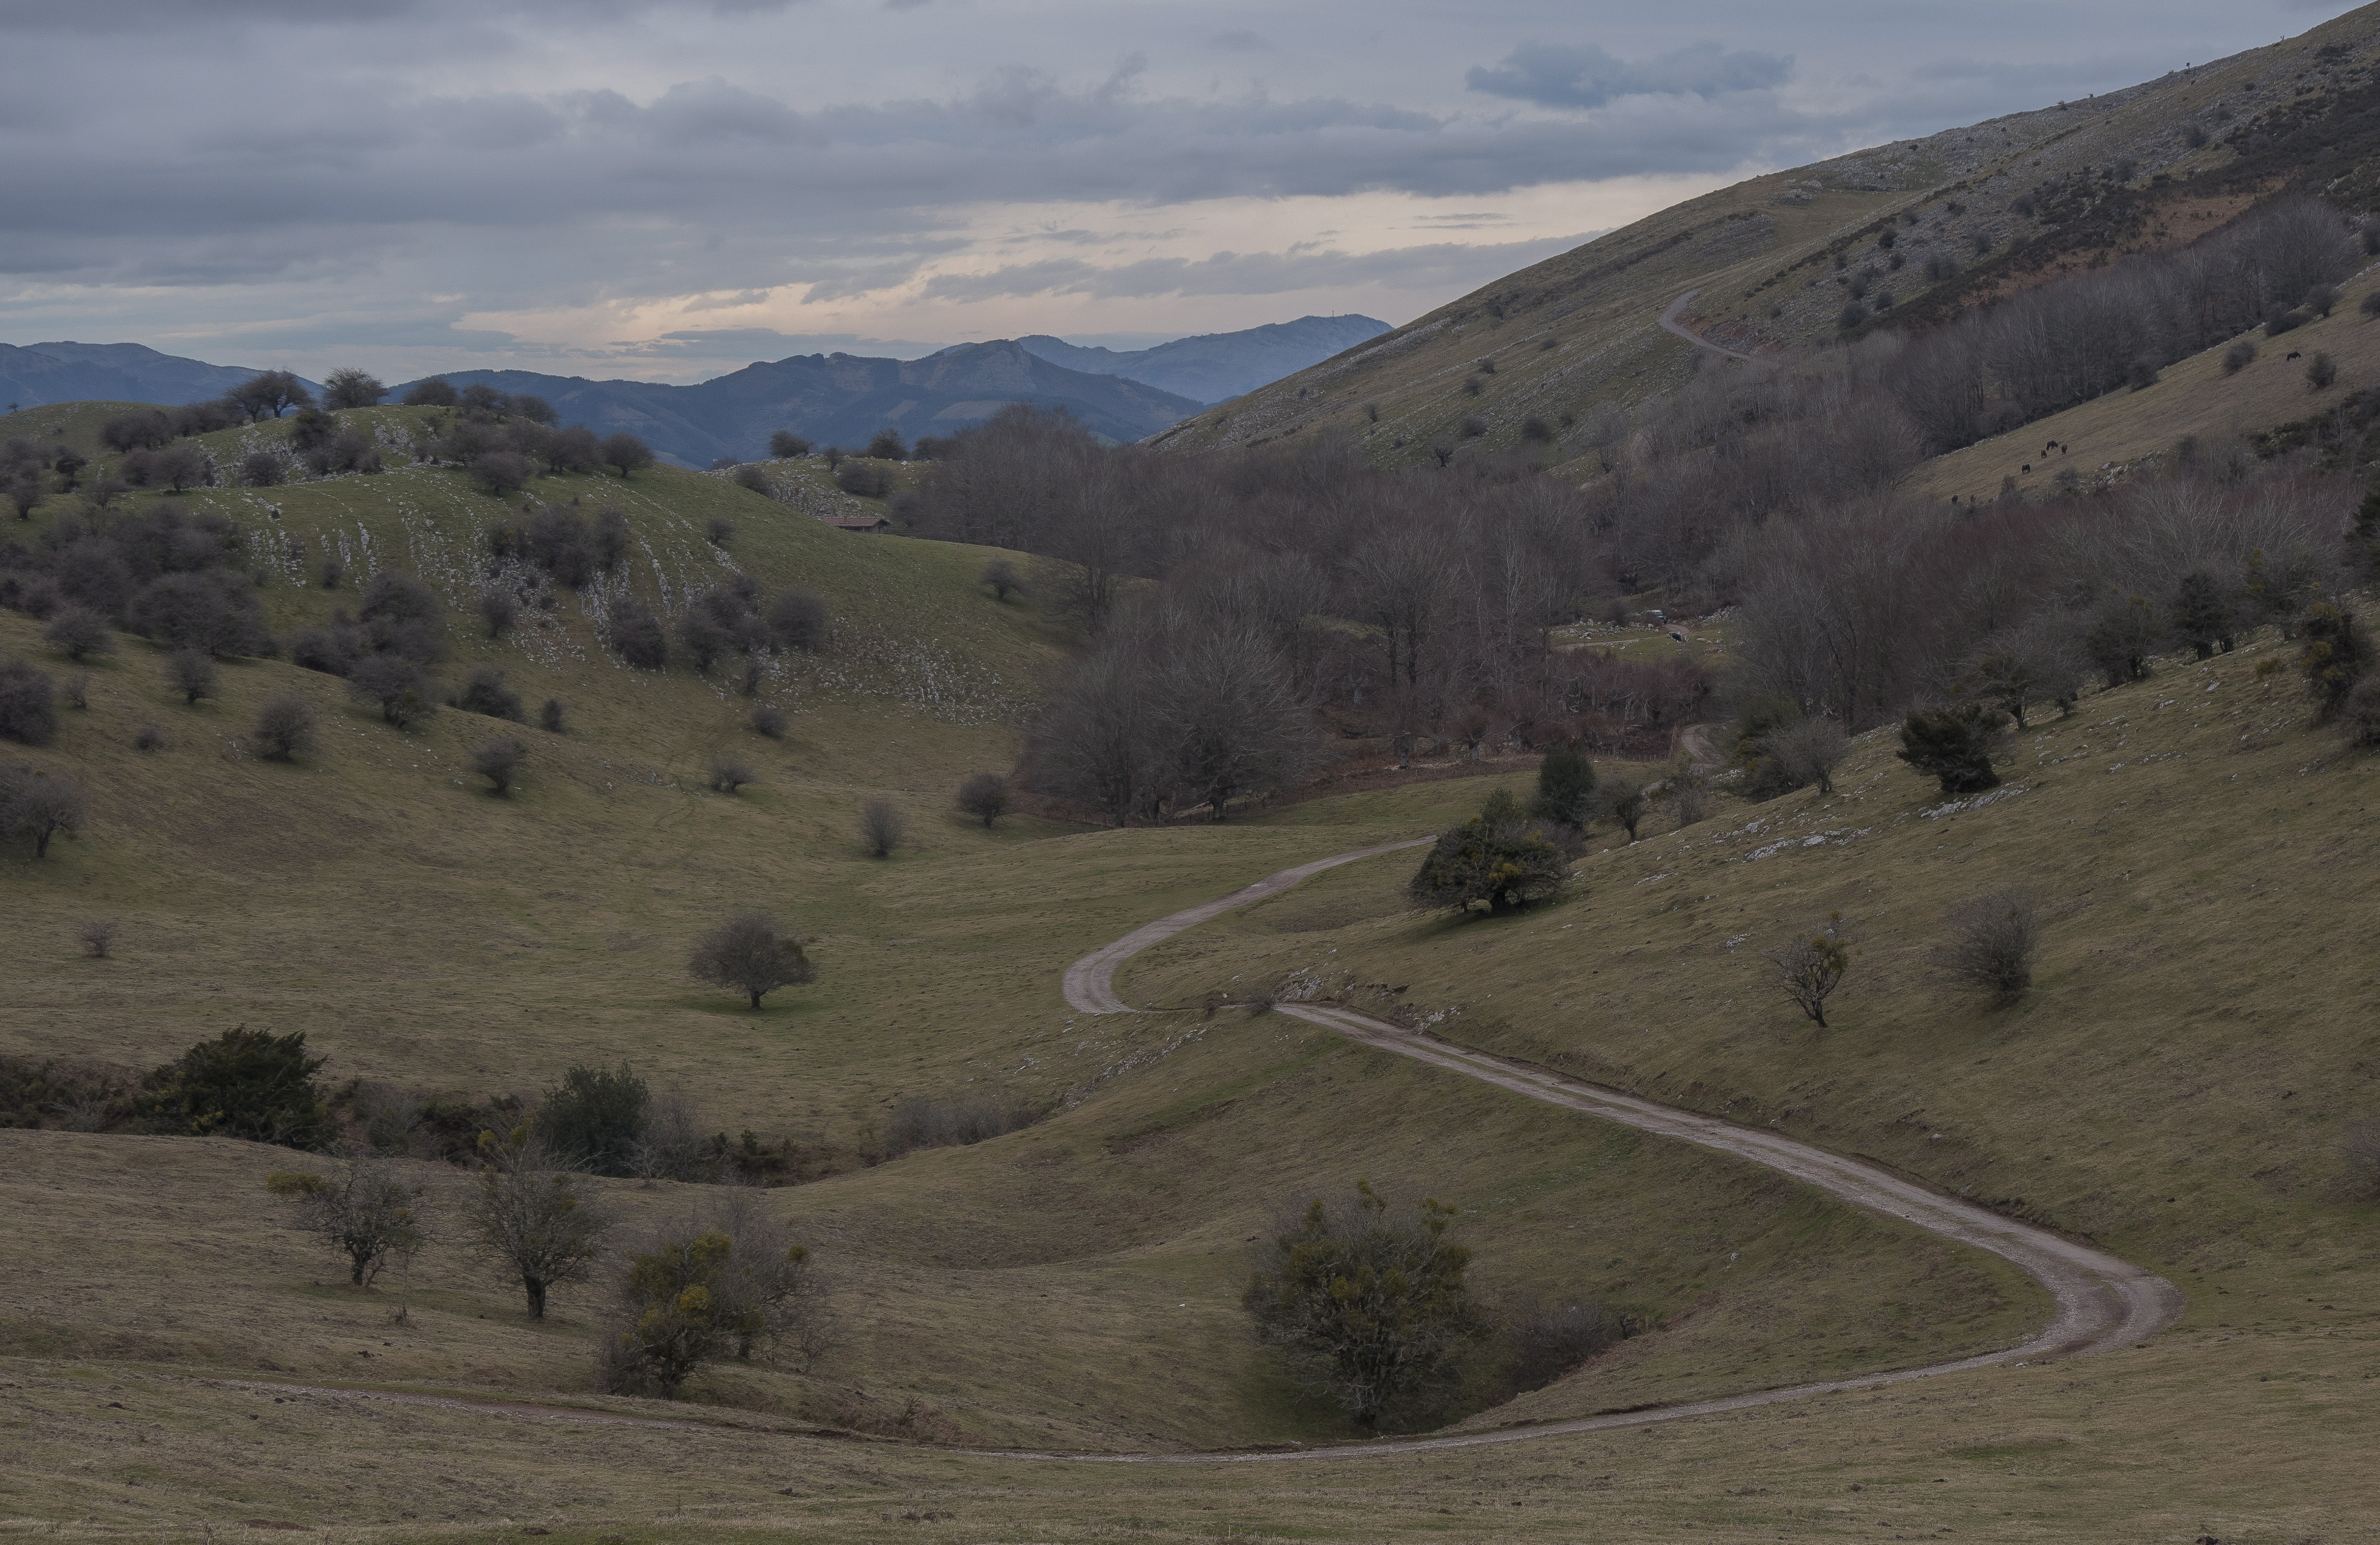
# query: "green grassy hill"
{"points": [[1555, 341]]}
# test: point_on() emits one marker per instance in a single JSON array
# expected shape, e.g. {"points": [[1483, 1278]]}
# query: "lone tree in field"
{"points": [[1497, 857], [985, 797], [1953, 745], [1565, 787], [1370, 1304], [882, 828], [1994, 941], [362, 1209], [285, 728], [626, 452], [1810, 969], [530, 1218], [1625, 803], [499, 761], [747, 954]]}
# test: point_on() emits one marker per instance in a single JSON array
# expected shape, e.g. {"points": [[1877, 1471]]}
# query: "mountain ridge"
{"points": [[35, 375], [1217, 367]]}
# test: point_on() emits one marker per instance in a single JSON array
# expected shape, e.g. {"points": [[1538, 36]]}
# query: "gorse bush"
{"points": [[1498, 857], [593, 1119], [244, 1084]]}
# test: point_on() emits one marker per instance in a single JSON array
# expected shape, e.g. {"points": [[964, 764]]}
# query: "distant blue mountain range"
{"points": [[37, 374], [1215, 367], [828, 398]]}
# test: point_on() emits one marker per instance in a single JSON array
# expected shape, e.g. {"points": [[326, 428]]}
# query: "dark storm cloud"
{"points": [[1585, 77]]}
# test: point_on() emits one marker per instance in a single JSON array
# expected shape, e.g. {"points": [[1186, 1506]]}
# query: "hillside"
{"points": [[844, 399], [1214, 366], [1754, 268]]}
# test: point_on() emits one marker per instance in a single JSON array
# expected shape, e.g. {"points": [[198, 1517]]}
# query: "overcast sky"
{"points": [[670, 188]]}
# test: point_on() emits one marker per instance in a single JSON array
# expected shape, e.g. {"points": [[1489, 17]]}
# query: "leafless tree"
{"points": [[985, 797], [882, 828], [1994, 942], [1810, 968], [532, 1218], [1809, 749], [97, 936], [364, 1208], [499, 761], [727, 775], [37, 806], [285, 728]]}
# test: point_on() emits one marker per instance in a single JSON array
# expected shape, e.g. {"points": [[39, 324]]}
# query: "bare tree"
{"points": [[727, 775], [1809, 749], [985, 797], [37, 806], [285, 728], [352, 388], [749, 954], [499, 761], [1002, 576], [79, 632], [189, 673], [363, 1208], [1992, 943], [498, 609], [531, 1218], [98, 936], [1809, 969], [882, 828]]}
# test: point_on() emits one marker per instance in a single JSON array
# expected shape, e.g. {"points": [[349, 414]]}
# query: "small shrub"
{"points": [[98, 936], [1994, 942], [749, 954], [190, 675], [2369, 306], [718, 530], [498, 609], [593, 1118], [2283, 318], [639, 636], [2320, 371], [2322, 300], [29, 712], [2334, 660], [769, 720], [79, 632], [147, 737], [1851, 316], [753, 477], [919, 1122], [2141, 374], [867, 479], [285, 728], [550, 718], [1808, 750], [499, 761], [882, 828], [1498, 857], [785, 445], [1472, 428], [2360, 717], [398, 686], [985, 797], [484, 692], [727, 775], [503, 472], [2243, 353], [333, 572], [1002, 576], [796, 619], [886, 445], [1537, 429], [1543, 1345], [1952, 746]]}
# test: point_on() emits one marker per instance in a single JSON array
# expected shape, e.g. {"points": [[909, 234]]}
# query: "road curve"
{"points": [[1670, 322], [2103, 1303]]}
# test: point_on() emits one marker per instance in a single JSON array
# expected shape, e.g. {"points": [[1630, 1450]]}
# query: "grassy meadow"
{"points": [[2174, 1087]]}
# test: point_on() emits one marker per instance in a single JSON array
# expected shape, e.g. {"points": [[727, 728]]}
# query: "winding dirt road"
{"points": [[2103, 1303], [1670, 323]]}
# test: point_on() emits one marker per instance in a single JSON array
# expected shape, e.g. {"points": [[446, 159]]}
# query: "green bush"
{"points": [[1953, 745], [1497, 857], [243, 1084], [594, 1119], [1565, 787]]}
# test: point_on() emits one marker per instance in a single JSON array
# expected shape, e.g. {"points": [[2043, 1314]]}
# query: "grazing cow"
{"points": [[2028, 466]]}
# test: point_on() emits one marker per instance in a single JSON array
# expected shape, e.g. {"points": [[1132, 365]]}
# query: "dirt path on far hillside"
{"points": [[1670, 322], [2103, 1303]]}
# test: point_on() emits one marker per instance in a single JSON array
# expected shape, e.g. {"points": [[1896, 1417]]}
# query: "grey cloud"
{"points": [[1553, 76], [1238, 40], [767, 342]]}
